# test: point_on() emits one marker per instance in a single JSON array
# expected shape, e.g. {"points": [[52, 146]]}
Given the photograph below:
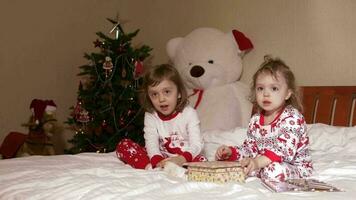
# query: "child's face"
{"points": [[271, 92], [164, 97]]}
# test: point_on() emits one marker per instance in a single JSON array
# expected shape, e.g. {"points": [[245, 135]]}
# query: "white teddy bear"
{"points": [[210, 64]]}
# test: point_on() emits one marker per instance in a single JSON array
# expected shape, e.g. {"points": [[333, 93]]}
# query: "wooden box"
{"points": [[215, 171]]}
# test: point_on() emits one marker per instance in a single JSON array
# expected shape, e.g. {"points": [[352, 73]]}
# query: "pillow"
{"points": [[323, 138], [214, 139], [328, 138]]}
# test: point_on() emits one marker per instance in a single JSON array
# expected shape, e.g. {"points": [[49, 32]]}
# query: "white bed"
{"points": [[103, 176]]}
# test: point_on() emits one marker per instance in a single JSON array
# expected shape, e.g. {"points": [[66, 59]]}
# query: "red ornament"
{"points": [[97, 43], [77, 109], [108, 66], [104, 124], [83, 116], [138, 68]]}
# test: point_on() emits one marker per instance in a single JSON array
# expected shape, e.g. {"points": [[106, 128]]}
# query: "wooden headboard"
{"points": [[333, 105]]}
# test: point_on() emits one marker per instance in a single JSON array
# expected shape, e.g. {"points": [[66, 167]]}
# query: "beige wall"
{"points": [[42, 42]]}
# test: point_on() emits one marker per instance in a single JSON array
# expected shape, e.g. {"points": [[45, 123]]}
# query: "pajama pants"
{"points": [[135, 155], [282, 171]]}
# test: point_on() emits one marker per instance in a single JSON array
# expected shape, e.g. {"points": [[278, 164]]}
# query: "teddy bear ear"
{"points": [[172, 45], [244, 43]]}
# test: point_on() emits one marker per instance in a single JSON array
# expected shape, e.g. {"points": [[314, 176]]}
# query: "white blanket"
{"points": [[103, 176]]}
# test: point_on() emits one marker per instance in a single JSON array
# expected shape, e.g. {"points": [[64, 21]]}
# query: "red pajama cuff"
{"points": [[156, 159], [234, 154], [272, 156], [188, 156]]}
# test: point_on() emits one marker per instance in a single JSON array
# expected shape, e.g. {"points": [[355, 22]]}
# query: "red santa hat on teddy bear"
{"points": [[40, 107]]}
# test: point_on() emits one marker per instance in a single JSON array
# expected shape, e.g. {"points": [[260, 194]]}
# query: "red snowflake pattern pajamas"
{"points": [[284, 141]]}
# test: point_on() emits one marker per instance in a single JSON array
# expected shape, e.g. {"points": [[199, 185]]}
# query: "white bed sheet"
{"points": [[103, 176]]}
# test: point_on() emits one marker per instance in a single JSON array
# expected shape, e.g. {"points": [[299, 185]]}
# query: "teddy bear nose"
{"points": [[197, 71]]}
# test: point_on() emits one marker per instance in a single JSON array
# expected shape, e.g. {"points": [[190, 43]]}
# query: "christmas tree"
{"points": [[108, 107]]}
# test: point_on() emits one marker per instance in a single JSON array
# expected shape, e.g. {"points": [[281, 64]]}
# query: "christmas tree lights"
{"points": [[108, 108]]}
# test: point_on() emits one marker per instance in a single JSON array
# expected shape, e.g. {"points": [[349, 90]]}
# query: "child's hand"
{"points": [[252, 164], [249, 165], [161, 163], [178, 160], [223, 153]]}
